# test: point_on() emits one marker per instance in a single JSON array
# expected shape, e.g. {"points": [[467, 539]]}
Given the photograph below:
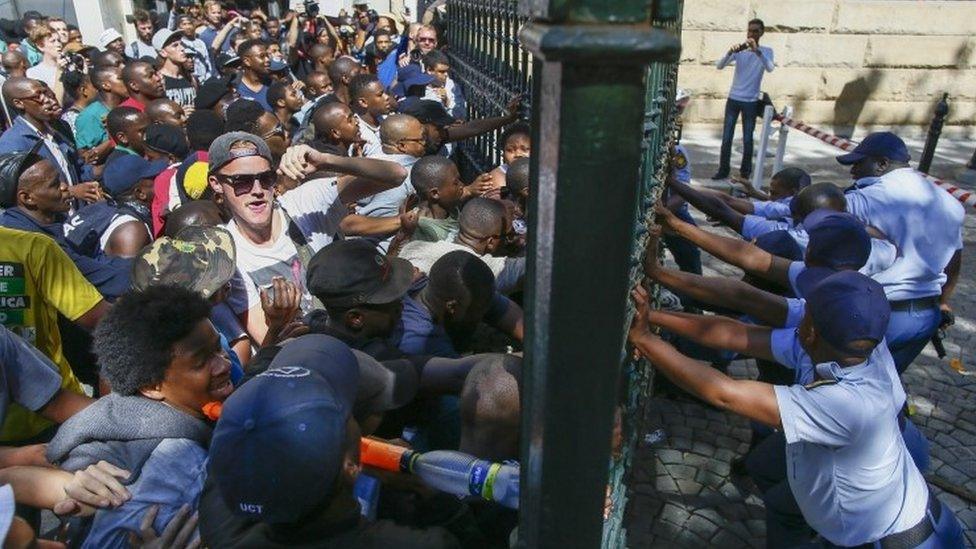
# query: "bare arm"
{"points": [[482, 126], [952, 274], [64, 405], [717, 332], [752, 399], [95, 314], [751, 191], [128, 239], [748, 257], [363, 176], [360, 225], [768, 308], [709, 204], [218, 41], [292, 37]]}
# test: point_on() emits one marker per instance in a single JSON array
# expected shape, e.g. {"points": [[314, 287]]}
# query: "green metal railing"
{"points": [[489, 62]]}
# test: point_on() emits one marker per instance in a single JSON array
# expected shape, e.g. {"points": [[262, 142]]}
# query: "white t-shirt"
{"points": [[316, 210], [44, 73], [371, 135], [924, 222], [508, 271]]}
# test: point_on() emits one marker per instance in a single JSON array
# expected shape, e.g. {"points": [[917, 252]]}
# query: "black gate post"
{"points": [[935, 130], [588, 98]]}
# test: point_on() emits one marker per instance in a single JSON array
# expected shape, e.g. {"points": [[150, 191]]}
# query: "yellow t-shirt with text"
{"points": [[37, 281]]}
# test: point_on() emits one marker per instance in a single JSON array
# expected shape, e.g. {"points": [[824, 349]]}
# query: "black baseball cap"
{"points": [[427, 111], [347, 273], [212, 91], [11, 166], [167, 139]]}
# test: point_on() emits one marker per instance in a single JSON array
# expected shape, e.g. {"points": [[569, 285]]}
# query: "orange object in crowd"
{"points": [[372, 452], [380, 454]]}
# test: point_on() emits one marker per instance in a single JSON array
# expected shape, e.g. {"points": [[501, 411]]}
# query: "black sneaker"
{"points": [[720, 175]]}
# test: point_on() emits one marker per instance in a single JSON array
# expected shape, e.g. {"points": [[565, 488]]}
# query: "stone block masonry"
{"points": [[840, 63]]}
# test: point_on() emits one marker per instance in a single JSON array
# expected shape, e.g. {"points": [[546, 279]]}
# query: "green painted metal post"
{"points": [[588, 99]]}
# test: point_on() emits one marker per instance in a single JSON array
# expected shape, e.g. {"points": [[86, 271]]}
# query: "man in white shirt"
{"points": [[369, 100], [48, 70], [142, 46], [276, 238], [924, 222], [751, 62]]}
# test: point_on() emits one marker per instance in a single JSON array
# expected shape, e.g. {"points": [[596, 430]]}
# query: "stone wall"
{"points": [[840, 63]]}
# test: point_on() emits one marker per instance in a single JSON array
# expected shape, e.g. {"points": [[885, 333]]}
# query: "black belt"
{"points": [[919, 303], [914, 536]]}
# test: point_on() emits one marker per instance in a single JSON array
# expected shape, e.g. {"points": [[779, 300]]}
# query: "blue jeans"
{"points": [[749, 111], [909, 331]]}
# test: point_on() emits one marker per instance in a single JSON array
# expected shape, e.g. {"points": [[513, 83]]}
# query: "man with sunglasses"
{"points": [[277, 238], [39, 120]]}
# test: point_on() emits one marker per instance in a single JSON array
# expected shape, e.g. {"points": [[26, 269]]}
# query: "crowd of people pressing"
{"points": [[843, 289], [236, 245], [230, 249]]}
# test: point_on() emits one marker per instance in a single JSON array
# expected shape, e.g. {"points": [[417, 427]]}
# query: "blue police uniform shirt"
{"points": [[921, 219], [681, 165], [847, 463], [772, 209]]}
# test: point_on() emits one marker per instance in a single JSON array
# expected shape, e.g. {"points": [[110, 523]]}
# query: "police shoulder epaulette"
{"points": [[680, 160], [819, 383]]}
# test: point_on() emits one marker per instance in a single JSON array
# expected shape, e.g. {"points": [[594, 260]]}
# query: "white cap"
{"points": [[107, 37], [681, 94], [164, 37]]}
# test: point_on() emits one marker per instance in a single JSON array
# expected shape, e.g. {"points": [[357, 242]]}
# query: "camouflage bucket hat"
{"points": [[202, 259]]}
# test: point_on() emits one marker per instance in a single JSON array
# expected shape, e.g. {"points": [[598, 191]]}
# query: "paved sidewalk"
{"points": [[683, 492]]}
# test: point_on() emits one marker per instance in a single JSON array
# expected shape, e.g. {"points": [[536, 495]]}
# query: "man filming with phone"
{"points": [[751, 62]]}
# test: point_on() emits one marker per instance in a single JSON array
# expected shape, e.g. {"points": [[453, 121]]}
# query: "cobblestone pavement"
{"points": [[684, 494]]}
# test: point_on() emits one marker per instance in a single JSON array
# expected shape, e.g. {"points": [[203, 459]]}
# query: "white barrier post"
{"points": [[784, 130], [760, 164]]}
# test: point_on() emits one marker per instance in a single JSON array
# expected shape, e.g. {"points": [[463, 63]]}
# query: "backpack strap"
{"points": [[305, 252]]}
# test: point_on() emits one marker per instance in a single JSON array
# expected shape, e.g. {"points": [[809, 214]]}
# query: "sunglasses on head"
{"points": [[244, 182]]}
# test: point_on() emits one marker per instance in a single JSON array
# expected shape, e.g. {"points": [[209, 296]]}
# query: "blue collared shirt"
{"points": [[921, 219], [847, 463], [772, 209], [21, 137]]}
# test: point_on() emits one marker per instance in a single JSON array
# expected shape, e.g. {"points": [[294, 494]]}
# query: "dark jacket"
{"points": [[110, 275], [21, 137]]}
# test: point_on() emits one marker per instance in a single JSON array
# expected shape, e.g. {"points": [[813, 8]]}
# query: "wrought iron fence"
{"points": [[491, 66], [489, 63]]}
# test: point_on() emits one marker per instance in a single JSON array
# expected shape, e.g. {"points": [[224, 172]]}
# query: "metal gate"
{"points": [[489, 62]]}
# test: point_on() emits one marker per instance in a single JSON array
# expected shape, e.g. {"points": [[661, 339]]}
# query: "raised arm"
{"points": [[482, 126], [752, 399], [717, 332], [362, 176], [709, 204], [748, 257]]}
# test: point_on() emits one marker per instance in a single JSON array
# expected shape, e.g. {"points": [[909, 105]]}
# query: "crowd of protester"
{"points": [[258, 219], [234, 246]]}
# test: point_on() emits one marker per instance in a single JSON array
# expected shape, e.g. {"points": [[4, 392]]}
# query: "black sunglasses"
{"points": [[244, 182]]}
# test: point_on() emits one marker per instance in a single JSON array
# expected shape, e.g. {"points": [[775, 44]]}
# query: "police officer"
{"points": [[924, 222], [848, 470]]}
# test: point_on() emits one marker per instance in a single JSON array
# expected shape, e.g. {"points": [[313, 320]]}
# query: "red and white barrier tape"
{"points": [[962, 195]]}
